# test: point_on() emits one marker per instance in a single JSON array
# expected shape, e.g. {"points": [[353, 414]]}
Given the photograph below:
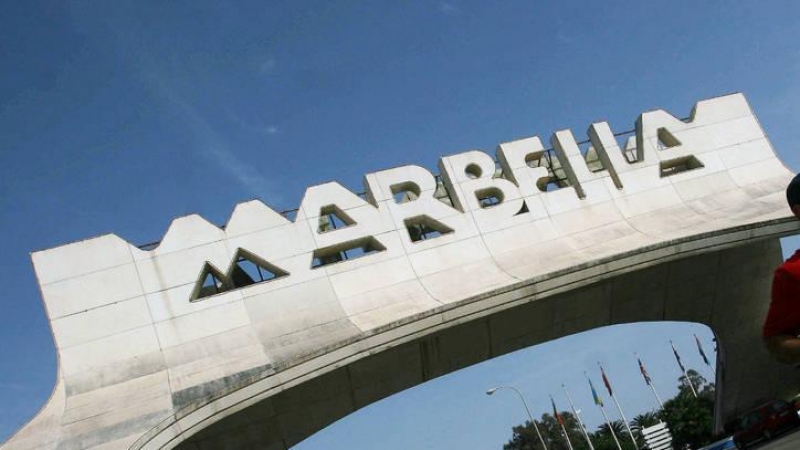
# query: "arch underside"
{"points": [[726, 289]]}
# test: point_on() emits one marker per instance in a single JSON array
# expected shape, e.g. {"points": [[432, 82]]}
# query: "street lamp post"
{"points": [[527, 410]]}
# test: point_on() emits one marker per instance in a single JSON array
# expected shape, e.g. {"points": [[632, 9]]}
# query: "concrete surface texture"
{"points": [[184, 346], [789, 441]]}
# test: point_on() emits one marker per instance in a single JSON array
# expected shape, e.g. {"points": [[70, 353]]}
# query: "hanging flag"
{"points": [[597, 400], [677, 357], [555, 412], [644, 372], [700, 349], [605, 381]]}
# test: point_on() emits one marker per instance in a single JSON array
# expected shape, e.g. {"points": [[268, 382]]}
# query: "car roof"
{"points": [[717, 443], [766, 403]]}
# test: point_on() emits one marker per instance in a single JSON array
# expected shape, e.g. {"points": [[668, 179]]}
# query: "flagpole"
{"points": [[564, 430], [656, 394], [625, 421], [705, 358], [619, 408], [683, 369], [577, 416], [648, 380], [599, 402], [689, 382], [561, 423]]}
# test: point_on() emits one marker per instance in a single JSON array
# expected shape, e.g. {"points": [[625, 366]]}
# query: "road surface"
{"points": [[789, 441]]}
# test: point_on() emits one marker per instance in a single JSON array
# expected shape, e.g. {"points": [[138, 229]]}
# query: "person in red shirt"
{"points": [[782, 326]]}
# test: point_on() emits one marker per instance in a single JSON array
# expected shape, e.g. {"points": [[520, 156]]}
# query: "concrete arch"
{"points": [[142, 366], [688, 280]]}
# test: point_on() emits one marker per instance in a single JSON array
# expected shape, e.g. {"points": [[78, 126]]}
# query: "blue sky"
{"points": [[119, 116]]}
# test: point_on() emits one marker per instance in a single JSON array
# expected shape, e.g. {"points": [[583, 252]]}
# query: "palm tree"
{"points": [[645, 420], [603, 440], [617, 426]]}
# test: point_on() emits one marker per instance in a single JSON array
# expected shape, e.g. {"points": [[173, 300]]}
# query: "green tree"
{"points": [[645, 420], [616, 426], [603, 440], [701, 385], [524, 436], [642, 421], [691, 419]]}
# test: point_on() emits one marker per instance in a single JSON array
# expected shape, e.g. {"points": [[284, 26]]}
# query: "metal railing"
{"points": [[558, 178]]}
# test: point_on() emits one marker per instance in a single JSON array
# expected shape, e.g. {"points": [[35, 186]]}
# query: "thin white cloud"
{"points": [[267, 66], [210, 144], [269, 129], [564, 38], [14, 386], [449, 9]]}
